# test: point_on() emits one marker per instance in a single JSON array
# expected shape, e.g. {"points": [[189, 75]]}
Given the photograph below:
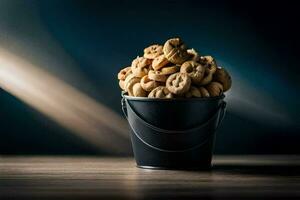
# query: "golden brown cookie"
{"points": [[194, 55], [123, 73], [214, 89], [208, 61], [160, 92], [178, 83], [170, 70], [138, 91], [193, 92], [148, 84], [129, 83], [140, 66], [208, 75], [159, 62], [157, 76], [175, 51], [223, 77], [204, 92], [153, 51], [122, 84], [194, 70]]}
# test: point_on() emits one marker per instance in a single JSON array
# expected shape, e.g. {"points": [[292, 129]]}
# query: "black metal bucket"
{"points": [[173, 133]]}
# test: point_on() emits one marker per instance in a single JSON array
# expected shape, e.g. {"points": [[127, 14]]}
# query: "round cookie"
{"points": [[193, 92], [208, 61], [194, 55], [157, 76], [160, 92], [204, 92], [214, 89], [178, 83], [124, 72], [169, 70], [148, 84], [159, 62], [140, 66], [153, 51], [208, 75], [138, 91], [223, 77], [129, 83], [122, 84], [175, 51], [194, 70]]}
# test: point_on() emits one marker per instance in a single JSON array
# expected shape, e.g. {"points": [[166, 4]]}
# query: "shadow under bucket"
{"points": [[173, 133]]}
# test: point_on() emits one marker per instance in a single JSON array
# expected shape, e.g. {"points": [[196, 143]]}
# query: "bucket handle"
{"points": [[222, 115]]}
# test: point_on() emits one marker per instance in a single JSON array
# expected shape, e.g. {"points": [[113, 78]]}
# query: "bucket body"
{"points": [[173, 133]]}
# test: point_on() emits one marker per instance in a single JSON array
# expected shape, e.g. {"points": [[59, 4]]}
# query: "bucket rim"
{"points": [[124, 94]]}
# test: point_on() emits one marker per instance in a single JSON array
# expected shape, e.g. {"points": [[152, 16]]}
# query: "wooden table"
{"points": [[233, 177]]}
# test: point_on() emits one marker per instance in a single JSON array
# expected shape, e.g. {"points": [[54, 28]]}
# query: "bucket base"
{"points": [[202, 168]]}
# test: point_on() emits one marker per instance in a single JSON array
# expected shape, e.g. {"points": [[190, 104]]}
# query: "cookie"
{"points": [[159, 62], [157, 76], [208, 75], [178, 83], [193, 55], [193, 92], [153, 51], [175, 51], [214, 89], [129, 83], [148, 84], [194, 70], [138, 91], [208, 61], [160, 92], [122, 84], [140, 66], [124, 72], [223, 77], [170, 70], [204, 92]]}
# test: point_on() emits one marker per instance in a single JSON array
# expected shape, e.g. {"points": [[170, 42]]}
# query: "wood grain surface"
{"points": [[232, 177]]}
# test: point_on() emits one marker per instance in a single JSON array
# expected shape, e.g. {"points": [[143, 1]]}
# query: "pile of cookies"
{"points": [[173, 70]]}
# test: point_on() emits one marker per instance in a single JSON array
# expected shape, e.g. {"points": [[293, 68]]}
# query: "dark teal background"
{"points": [[257, 42]]}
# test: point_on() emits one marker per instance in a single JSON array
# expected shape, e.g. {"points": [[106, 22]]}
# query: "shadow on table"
{"points": [[267, 170]]}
